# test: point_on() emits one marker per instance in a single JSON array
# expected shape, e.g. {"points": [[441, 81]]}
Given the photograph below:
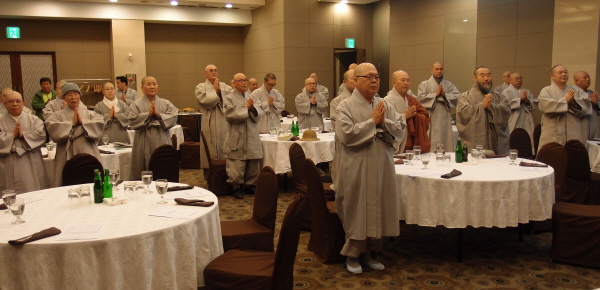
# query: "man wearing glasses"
{"points": [[4, 97], [272, 103], [242, 147], [311, 105]]}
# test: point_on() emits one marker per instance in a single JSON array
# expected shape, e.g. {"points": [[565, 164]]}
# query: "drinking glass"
{"points": [[409, 156], [161, 187], [7, 196], [140, 188], [417, 151], [147, 179], [129, 189], [475, 156], [513, 153], [114, 178], [17, 206], [85, 197], [425, 160], [332, 131], [50, 146], [441, 148], [105, 140], [73, 195], [273, 131]]}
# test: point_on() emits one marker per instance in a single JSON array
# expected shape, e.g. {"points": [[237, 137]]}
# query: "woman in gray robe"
{"points": [[115, 115], [74, 129]]}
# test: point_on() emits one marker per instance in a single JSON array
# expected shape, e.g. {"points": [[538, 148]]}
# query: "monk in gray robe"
{"points": [[5, 93], [74, 129], [346, 93], [311, 105], [58, 103], [522, 103], [505, 82], [482, 115], [114, 112], [366, 196], [320, 88], [151, 117], [583, 81], [210, 96], [125, 93], [272, 103], [242, 147], [439, 96], [21, 137], [252, 85], [566, 110]]}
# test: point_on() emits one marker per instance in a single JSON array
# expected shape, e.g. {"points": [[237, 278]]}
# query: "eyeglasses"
{"points": [[72, 95], [370, 77], [241, 81], [270, 85]]}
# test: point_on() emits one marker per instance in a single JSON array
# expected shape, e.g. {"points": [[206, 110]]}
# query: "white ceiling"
{"points": [[220, 4]]}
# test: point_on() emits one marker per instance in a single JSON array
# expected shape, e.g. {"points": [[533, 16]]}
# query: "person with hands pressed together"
{"points": [[114, 112], [366, 197], [583, 81], [21, 136], [311, 105], [74, 129], [272, 103], [124, 93], [522, 103]]}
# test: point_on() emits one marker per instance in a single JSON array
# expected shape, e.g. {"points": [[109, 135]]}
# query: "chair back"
{"points": [[217, 173], [205, 147], [80, 169], [578, 178], [164, 163], [283, 272], [284, 113], [520, 140], [174, 140], [190, 123], [555, 155], [265, 198], [297, 160], [537, 132]]}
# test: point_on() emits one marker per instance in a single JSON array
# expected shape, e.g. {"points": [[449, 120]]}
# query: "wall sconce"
{"points": [[130, 56]]}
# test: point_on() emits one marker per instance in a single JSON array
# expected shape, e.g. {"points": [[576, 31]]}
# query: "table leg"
{"points": [[521, 229], [459, 245]]}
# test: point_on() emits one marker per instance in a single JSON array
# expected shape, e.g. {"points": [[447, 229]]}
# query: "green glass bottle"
{"points": [[295, 130], [98, 189], [459, 151], [107, 185]]}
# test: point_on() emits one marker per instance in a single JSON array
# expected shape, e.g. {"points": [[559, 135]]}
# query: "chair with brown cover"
{"points": [[519, 139], [578, 177], [537, 132], [174, 140], [164, 163], [555, 156], [217, 176], [243, 269], [327, 236], [297, 159], [189, 123], [257, 232], [576, 234], [284, 113], [80, 169]]}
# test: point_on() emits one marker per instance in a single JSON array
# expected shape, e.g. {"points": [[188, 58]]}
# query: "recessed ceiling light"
{"points": [[345, 1], [174, 3], [465, 20], [113, 0], [228, 5]]}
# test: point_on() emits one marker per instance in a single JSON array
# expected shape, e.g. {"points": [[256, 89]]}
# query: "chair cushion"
{"points": [[240, 269], [246, 234]]}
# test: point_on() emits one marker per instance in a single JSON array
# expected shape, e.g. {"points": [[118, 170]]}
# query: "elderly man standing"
{"points": [[42, 97], [366, 196], [74, 129], [57, 103], [583, 81], [505, 82], [343, 85], [415, 115], [21, 137], [252, 85], [124, 93], [242, 146], [151, 117], [272, 103], [522, 103], [349, 86], [482, 114], [210, 96], [311, 105], [3, 97], [439, 96], [566, 110]]}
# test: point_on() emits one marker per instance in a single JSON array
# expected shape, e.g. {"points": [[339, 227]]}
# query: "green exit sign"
{"points": [[350, 43], [13, 32]]}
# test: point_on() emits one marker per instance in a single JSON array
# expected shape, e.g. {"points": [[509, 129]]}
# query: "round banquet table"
{"points": [[490, 194], [133, 251], [594, 154], [286, 123], [276, 153], [177, 130]]}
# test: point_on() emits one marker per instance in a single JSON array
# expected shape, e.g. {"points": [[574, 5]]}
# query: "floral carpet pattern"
{"points": [[425, 257]]}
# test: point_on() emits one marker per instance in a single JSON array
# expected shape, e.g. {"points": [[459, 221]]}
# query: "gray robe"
{"points": [[56, 105], [594, 129], [440, 114], [366, 197], [130, 95], [562, 122], [26, 110], [325, 92], [520, 116], [334, 103], [310, 115], [478, 126], [116, 129], [400, 104], [242, 139], [499, 89], [21, 163], [271, 112], [150, 133], [73, 140], [213, 120]]}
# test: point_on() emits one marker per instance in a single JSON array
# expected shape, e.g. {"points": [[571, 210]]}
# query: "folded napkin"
{"points": [[453, 173], [494, 156], [531, 164], [324, 131], [403, 156], [176, 188], [105, 152], [194, 202], [37, 236], [116, 201], [3, 206], [399, 161]]}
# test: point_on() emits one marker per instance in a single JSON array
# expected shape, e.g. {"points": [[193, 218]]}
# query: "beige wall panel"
{"points": [[417, 76], [496, 51], [355, 14], [277, 35], [535, 16], [183, 63], [165, 86], [369, 43], [321, 35], [159, 62], [341, 32], [296, 11], [534, 49], [402, 33], [491, 3], [251, 41], [71, 62], [296, 35], [183, 86], [497, 21], [428, 8], [321, 12], [321, 59], [259, 19], [402, 57], [456, 6], [97, 41], [97, 64], [183, 41], [261, 61], [297, 59], [231, 43], [206, 42], [275, 11], [427, 54], [429, 30], [41, 40], [157, 40], [234, 63], [402, 10], [66, 40]]}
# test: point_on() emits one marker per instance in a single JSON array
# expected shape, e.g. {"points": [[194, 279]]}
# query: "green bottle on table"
{"points": [[459, 151], [107, 185], [98, 189]]}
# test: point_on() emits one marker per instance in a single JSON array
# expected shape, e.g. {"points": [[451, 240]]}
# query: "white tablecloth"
{"points": [[594, 154], [120, 160], [134, 251], [177, 130], [485, 195], [277, 153], [287, 123]]}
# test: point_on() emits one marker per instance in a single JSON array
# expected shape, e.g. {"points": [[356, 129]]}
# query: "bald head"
{"points": [[253, 84], [582, 80], [240, 83], [310, 85], [5, 93], [437, 70], [401, 82], [59, 85], [352, 66], [211, 72], [314, 77], [506, 77], [349, 80], [367, 80], [516, 80], [14, 103]]}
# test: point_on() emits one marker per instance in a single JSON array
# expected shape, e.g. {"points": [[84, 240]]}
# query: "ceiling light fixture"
{"points": [[174, 3], [345, 1], [465, 20], [113, 0], [228, 5]]}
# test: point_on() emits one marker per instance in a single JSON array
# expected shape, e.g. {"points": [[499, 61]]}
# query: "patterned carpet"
{"points": [[425, 258]]}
